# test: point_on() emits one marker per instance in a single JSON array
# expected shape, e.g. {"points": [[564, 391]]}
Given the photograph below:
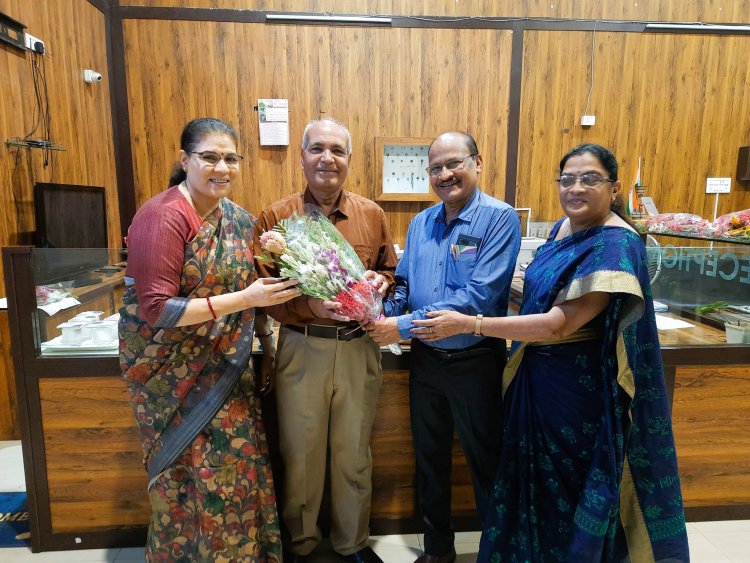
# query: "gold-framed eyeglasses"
{"points": [[213, 159], [588, 180], [451, 165]]}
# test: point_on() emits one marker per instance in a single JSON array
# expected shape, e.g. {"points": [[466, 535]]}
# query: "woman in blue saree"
{"points": [[588, 469]]}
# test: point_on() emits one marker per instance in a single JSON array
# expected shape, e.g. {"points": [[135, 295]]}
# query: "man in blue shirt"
{"points": [[459, 255]]}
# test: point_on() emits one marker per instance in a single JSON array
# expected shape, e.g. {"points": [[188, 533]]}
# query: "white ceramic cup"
{"points": [[112, 326], [72, 333], [85, 330], [100, 333]]}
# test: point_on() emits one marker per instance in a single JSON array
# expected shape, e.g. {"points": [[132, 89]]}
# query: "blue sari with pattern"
{"points": [[588, 471]]}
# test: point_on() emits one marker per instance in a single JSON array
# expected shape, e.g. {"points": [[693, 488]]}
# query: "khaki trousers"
{"points": [[326, 392]]}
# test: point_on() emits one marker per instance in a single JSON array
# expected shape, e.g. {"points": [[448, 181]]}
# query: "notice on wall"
{"points": [[273, 122], [718, 185]]}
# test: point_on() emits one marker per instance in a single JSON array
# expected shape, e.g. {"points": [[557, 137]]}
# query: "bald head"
{"points": [[326, 121], [452, 136]]}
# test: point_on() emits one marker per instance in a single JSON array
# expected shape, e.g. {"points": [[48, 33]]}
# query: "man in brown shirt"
{"points": [[328, 370]]}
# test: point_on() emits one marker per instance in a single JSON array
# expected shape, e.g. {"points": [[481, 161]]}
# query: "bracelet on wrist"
{"points": [[264, 335], [210, 308]]}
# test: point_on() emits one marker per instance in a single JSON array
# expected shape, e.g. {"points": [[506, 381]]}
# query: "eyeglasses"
{"points": [[589, 180], [451, 165], [213, 159]]}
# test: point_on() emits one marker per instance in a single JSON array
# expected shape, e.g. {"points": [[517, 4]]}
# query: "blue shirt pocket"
{"points": [[459, 270]]}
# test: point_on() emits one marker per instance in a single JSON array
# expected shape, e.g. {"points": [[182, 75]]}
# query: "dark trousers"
{"points": [[462, 393]]}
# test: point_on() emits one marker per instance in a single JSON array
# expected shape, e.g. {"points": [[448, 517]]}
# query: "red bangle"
{"points": [[210, 308]]}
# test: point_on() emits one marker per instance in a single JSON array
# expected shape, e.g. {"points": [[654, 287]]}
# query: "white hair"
{"points": [[329, 120]]}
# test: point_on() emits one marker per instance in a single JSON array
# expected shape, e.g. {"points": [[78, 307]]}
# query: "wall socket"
{"points": [[34, 44]]}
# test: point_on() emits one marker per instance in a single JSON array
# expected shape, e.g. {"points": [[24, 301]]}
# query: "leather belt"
{"points": [[478, 349], [343, 333]]}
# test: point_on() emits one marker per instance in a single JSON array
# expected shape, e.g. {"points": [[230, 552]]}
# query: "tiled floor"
{"points": [[710, 542]]}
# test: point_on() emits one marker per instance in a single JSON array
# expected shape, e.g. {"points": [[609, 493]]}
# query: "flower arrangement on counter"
{"points": [[734, 225], [309, 248]]}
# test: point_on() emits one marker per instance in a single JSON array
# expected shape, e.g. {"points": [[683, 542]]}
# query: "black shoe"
{"points": [[450, 557], [365, 555]]}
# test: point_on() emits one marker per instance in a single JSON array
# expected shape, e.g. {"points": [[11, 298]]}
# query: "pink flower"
{"points": [[273, 242]]}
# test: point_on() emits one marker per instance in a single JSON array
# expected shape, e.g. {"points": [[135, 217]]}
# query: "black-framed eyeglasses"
{"points": [[213, 159], [588, 179], [451, 165]]}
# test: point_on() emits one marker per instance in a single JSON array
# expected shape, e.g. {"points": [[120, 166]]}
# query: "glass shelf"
{"points": [[78, 296], [730, 240]]}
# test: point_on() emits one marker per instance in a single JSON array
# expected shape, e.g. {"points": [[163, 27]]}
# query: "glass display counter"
{"points": [[707, 283], [83, 459], [77, 425], [78, 292]]}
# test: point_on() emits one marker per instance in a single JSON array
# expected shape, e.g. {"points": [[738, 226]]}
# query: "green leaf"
{"points": [[714, 307]]}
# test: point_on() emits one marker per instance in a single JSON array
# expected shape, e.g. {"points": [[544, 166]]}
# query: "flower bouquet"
{"points": [[309, 248]]}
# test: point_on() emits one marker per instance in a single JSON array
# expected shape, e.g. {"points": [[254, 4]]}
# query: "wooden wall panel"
{"points": [[667, 10], [74, 34], [678, 101], [380, 82], [710, 416], [94, 470]]}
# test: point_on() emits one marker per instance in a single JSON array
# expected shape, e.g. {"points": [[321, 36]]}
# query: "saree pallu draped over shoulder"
{"points": [[588, 470], [214, 499]]}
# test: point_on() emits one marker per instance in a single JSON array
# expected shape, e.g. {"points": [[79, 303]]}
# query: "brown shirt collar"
{"points": [[339, 208]]}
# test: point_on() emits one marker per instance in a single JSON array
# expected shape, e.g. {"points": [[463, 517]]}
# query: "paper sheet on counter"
{"points": [[668, 323], [58, 306]]}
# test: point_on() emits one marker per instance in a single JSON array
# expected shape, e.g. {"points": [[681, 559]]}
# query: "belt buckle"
{"points": [[443, 354]]}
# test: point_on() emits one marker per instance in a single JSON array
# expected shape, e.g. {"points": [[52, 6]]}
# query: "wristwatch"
{"points": [[478, 326]]}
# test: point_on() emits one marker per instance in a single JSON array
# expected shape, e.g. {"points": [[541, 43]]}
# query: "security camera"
{"points": [[91, 76]]}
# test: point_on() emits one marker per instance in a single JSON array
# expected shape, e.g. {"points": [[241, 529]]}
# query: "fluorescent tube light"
{"points": [[297, 18], [698, 28]]}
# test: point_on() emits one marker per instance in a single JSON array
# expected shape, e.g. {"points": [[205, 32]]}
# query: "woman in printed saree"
{"points": [[186, 331], [588, 470]]}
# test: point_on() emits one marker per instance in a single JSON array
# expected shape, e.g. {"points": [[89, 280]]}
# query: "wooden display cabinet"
{"points": [[82, 456]]}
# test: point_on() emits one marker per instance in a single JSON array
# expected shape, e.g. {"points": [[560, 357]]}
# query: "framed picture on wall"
{"points": [[400, 164]]}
